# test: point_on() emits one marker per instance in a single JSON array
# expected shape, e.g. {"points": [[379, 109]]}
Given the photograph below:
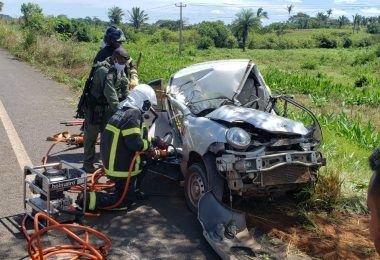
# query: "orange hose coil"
{"points": [[83, 248]]}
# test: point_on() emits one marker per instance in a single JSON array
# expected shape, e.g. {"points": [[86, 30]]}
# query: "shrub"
{"points": [[231, 42], [324, 41], [327, 191], [307, 43], [363, 58], [189, 36], [205, 43], [309, 65], [130, 33], [362, 81], [365, 42], [347, 42], [168, 36], [192, 52], [217, 31], [82, 34], [377, 51], [373, 28], [63, 27], [287, 43], [340, 34], [251, 45], [156, 38], [30, 41]]}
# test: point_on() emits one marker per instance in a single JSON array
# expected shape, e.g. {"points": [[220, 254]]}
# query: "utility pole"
{"points": [[180, 26]]}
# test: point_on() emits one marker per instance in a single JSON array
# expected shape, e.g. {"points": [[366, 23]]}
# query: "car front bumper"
{"points": [[247, 163]]}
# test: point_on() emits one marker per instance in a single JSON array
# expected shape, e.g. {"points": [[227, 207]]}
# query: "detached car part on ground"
{"points": [[226, 127]]}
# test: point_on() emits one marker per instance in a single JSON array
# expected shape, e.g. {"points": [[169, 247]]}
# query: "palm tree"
{"points": [[290, 8], [329, 12], [137, 17], [343, 20], [115, 14], [364, 20], [261, 14], [356, 22], [244, 21], [321, 18]]}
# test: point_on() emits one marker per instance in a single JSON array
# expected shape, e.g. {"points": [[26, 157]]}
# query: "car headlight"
{"points": [[238, 138]]}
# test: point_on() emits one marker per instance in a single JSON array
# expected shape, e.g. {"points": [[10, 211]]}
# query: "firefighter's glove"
{"points": [[159, 143], [151, 153], [133, 83], [134, 80]]}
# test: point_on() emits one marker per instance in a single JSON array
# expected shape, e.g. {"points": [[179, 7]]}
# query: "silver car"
{"points": [[230, 133]]}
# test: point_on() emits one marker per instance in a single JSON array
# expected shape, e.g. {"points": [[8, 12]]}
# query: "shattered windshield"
{"points": [[208, 85]]}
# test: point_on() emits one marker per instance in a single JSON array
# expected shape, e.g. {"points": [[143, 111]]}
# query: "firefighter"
{"points": [[373, 199], [124, 136], [108, 87]]}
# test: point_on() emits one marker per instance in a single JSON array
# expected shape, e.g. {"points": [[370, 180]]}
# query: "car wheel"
{"points": [[195, 185]]}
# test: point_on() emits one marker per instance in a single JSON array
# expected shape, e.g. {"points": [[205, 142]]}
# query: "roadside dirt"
{"points": [[319, 235]]}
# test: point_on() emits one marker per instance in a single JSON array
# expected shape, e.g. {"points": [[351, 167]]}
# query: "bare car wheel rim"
{"points": [[196, 189]]}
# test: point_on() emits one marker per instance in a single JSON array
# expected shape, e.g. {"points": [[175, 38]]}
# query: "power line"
{"points": [[273, 9], [303, 7], [160, 7], [276, 5]]}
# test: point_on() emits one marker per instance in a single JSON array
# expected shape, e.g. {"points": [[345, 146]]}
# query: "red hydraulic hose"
{"points": [[121, 199]]}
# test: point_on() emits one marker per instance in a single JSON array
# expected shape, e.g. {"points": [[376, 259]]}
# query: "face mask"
{"points": [[119, 67]]}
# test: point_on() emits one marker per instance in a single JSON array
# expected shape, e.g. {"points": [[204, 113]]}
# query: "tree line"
{"points": [[237, 34]]}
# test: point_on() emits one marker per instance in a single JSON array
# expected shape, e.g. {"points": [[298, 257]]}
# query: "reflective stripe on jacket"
{"points": [[124, 135]]}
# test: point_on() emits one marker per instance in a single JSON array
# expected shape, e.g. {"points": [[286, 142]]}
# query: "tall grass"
{"points": [[327, 191], [303, 83], [364, 135]]}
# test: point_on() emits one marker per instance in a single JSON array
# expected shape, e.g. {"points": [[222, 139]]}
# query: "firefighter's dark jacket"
{"points": [[124, 135]]}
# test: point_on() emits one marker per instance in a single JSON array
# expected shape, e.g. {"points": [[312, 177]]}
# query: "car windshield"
{"points": [[208, 85]]}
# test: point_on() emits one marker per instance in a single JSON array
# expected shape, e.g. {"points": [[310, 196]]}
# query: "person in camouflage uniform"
{"points": [[113, 39], [109, 87]]}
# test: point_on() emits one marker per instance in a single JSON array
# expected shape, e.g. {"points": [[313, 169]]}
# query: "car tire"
{"points": [[195, 185], [200, 179]]}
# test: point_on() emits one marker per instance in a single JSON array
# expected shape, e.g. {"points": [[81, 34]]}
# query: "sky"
{"points": [[197, 10]]}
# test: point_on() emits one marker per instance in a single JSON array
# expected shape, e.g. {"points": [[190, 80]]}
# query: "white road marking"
{"points": [[17, 146]]}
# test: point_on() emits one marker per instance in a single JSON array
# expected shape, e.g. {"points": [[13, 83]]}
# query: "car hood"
{"points": [[259, 119]]}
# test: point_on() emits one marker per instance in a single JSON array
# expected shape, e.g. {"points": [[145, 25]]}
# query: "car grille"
{"points": [[287, 174]]}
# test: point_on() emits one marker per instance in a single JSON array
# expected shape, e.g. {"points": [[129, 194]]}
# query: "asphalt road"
{"points": [[160, 228]]}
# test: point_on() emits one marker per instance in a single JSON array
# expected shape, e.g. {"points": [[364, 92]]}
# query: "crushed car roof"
{"points": [[209, 80]]}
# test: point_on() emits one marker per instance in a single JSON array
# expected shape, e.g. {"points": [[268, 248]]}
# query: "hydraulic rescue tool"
{"points": [[76, 140]]}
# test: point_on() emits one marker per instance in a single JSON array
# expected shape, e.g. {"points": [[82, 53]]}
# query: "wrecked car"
{"points": [[231, 133]]}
